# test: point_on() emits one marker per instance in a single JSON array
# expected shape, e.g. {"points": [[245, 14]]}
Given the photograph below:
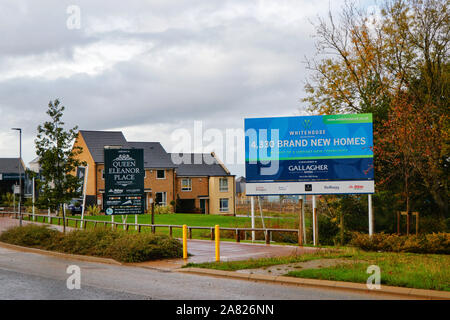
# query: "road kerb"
{"points": [[400, 291], [60, 254]]}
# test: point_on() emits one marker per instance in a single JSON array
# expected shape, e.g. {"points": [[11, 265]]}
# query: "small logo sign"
{"points": [[109, 211], [307, 124]]}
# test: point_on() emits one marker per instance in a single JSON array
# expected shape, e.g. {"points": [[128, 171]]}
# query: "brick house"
{"points": [[204, 187], [204, 184]]}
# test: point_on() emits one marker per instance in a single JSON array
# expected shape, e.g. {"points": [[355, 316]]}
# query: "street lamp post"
{"points": [[20, 173]]}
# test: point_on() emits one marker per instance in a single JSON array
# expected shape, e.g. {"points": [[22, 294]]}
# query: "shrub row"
{"points": [[423, 243], [115, 244]]}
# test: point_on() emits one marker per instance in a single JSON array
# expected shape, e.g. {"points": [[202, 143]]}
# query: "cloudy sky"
{"points": [[150, 68]]}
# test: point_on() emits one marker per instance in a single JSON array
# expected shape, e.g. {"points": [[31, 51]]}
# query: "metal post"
{"points": [[370, 215], [20, 179], [217, 232], [20, 174], [185, 253], [84, 195], [314, 219], [153, 212], [252, 210], [300, 224], [34, 198], [303, 218]]}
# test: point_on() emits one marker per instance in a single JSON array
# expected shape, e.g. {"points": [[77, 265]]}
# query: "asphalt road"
{"points": [[33, 276]]}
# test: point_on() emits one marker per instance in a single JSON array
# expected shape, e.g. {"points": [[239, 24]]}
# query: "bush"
{"points": [[430, 224], [163, 209], [29, 236], [92, 210], [135, 247], [423, 243], [104, 242]]}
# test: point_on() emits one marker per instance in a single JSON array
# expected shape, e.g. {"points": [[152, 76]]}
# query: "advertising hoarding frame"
{"points": [[124, 181], [315, 185]]}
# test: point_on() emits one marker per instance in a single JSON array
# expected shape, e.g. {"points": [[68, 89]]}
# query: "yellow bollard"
{"points": [[185, 232], [217, 234]]}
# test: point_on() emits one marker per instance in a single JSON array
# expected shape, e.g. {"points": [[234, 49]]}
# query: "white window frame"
{"points": [[164, 198], [221, 208], [221, 189], [190, 184], [162, 171]]}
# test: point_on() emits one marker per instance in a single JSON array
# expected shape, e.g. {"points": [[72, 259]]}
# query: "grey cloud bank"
{"points": [[148, 68]]}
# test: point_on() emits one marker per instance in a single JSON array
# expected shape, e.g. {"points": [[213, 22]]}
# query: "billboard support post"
{"points": [[300, 223], [370, 215], [252, 205], [314, 220], [303, 218]]}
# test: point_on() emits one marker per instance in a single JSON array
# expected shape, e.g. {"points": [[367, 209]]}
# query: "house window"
{"points": [[160, 174], [161, 198], [223, 185], [186, 185], [223, 205]]}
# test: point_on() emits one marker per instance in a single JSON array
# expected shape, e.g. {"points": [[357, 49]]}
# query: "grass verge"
{"points": [[420, 271]]}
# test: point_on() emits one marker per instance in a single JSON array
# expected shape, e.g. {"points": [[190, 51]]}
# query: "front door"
{"points": [[203, 205]]}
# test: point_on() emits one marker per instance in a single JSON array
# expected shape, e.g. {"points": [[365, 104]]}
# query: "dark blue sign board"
{"points": [[312, 149], [124, 181]]}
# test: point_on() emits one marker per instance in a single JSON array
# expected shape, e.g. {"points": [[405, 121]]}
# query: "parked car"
{"points": [[75, 206]]}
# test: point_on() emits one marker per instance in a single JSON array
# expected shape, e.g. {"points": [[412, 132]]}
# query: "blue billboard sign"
{"points": [[309, 148]]}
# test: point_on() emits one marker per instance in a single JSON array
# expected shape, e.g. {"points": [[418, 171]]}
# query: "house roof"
{"points": [[240, 185], [193, 164], [198, 164], [154, 154], [97, 140], [11, 165]]}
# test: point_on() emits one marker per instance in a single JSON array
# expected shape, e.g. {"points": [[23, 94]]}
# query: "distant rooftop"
{"points": [[198, 164], [11, 165], [154, 154], [97, 140]]}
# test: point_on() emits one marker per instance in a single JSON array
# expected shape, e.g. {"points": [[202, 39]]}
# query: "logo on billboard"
{"points": [[307, 124]]}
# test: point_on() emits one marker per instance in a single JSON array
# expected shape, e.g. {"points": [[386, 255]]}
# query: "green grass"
{"points": [[421, 271], [267, 262]]}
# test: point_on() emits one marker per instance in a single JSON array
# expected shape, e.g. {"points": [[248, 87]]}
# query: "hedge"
{"points": [[422, 243], [104, 242]]}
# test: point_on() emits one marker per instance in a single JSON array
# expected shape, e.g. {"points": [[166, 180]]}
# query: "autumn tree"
{"points": [[393, 63]]}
